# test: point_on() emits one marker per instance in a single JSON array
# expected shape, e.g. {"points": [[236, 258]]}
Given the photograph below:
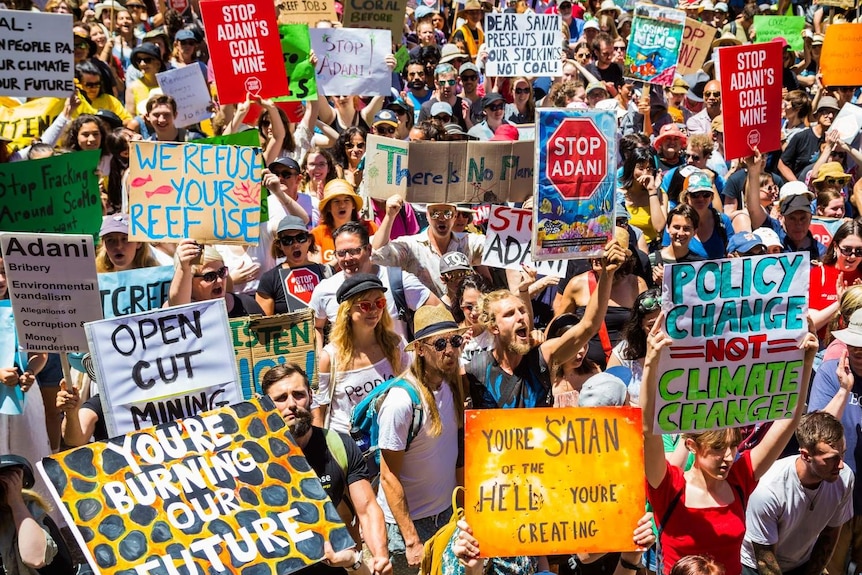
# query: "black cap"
{"points": [[110, 118], [18, 461], [289, 163], [145, 49], [357, 284], [491, 98]]}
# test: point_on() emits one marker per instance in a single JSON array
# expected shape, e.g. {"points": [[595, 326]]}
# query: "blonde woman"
{"points": [[362, 353], [115, 252]]}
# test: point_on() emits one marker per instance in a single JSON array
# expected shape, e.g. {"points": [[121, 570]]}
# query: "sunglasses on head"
{"points": [[441, 215], [496, 107], [439, 344], [360, 145], [382, 130], [300, 238], [650, 304], [847, 251], [368, 306], [350, 251], [210, 277]]}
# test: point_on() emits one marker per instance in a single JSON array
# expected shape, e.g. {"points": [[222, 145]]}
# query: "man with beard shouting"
{"points": [[288, 387], [517, 373]]}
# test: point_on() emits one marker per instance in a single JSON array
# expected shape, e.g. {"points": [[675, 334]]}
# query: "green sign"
{"points": [[59, 194], [244, 138], [787, 27], [402, 56], [296, 48]]}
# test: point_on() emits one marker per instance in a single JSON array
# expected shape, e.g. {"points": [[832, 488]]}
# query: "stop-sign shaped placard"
{"points": [[577, 158], [298, 284]]}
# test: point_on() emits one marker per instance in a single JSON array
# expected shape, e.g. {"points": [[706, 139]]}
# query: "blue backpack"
{"points": [[364, 427]]}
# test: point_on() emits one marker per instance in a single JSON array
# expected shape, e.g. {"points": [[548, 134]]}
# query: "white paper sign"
{"points": [[848, 123], [352, 61], [523, 45], [508, 242], [36, 54], [53, 287], [188, 87], [164, 365]]}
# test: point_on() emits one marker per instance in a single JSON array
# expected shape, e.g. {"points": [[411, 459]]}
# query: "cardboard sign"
{"points": [[53, 287], [57, 194], [298, 284], [188, 87], [11, 398], [307, 12], [245, 49], [788, 27], [824, 228], [207, 192], [837, 68], [261, 343], [751, 101], [846, 4], [523, 45], [382, 14], [735, 325], [509, 242], [296, 49], [458, 172], [36, 64], [551, 481], [654, 45], [228, 491], [847, 123], [352, 61], [21, 123], [575, 194], [163, 365], [697, 39], [134, 291], [249, 137]]}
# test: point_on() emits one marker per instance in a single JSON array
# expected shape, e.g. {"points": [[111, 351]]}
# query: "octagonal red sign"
{"points": [[577, 158]]}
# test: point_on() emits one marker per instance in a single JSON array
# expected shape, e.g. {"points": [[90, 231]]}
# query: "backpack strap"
{"points": [[418, 413], [336, 448], [396, 285]]}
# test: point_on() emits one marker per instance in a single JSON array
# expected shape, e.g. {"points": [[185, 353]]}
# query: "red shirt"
{"points": [[715, 531], [821, 290]]}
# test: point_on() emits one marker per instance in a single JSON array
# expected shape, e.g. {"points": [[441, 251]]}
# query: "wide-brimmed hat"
{"points": [[827, 103], [609, 6], [726, 39], [852, 334], [670, 131], [431, 320], [339, 188], [831, 170], [451, 52], [18, 461], [679, 86], [357, 284]]}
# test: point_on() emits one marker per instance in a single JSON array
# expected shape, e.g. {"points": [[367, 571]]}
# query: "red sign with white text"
{"points": [[245, 49], [750, 98]]}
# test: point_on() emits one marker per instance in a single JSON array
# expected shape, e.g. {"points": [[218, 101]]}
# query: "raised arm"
{"points": [[655, 464], [751, 192]]}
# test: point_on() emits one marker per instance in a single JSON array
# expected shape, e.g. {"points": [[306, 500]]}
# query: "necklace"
{"points": [[813, 501]]}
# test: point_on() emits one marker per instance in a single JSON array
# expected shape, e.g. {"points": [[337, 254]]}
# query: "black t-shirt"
{"points": [[492, 387], [613, 73], [243, 305], [271, 287], [735, 183], [94, 404], [803, 149]]}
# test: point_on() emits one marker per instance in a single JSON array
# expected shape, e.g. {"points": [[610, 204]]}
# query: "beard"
{"points": [[301, 423], [515, 346], [416, 85]]}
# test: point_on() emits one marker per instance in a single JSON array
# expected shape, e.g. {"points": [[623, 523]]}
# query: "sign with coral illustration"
{"points": [[206, 192], [575, 192], [656, 38]]}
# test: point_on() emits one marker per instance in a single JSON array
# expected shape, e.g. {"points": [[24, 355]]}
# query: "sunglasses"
{"points": [[92, 84], [286, 174], [451, 82], [650, 304], [469, 78], [769, 187], [496, 107], [836, 181], [360, 145], [82, 44], [145, 60], [454, 275], [711, 94], [211, 277], [582, 55], [350, 251], [694, 157], [188, 43], [700, 195], [619, 48], [382, 130], [441, 215], [369, 306], [439, 344], [445, 118], [848, 251], [290, 240], [522, 90]]}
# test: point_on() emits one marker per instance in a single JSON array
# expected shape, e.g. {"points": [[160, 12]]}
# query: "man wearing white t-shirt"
{"points": [[794, 516]]}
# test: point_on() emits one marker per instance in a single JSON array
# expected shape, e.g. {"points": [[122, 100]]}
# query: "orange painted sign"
{"points": [[554, 481], [837, 68]]}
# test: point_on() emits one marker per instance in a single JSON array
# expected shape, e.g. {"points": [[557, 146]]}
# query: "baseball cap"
{"points": [[795, 204], [591, 25], [506, 133], [491, 98], [679, 86], [467, 67], [452, 261], [441, 108], [743, 242], [768, 237], [603, 390], [291, 223], [285, 162], [386, 117], [596, 86], [795, 188], [185, 35], [116, 224], [697, 181]]}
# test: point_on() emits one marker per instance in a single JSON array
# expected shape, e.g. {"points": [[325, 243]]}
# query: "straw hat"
{"points": [[339, 188], [727, 39], [431, 320], [832, 170]]}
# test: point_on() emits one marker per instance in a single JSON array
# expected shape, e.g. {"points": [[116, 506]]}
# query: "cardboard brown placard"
{"points": [[697, 37], [305, 11], [381, 14]]}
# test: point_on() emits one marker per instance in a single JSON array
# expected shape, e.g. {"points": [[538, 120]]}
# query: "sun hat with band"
{"points": [[357, 284], [433, 320], [669, 131], [852, 334], [832, 170], [339, 188]]}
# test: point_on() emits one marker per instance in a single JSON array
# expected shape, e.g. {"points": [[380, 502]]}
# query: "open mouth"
{"points": [[522, 332], [217, 291], [297, 254]]}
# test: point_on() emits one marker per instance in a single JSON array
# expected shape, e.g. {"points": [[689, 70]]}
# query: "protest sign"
{"points": [[352, 61], [11, 398], [23, 122], [188, 87], [261, 343], [245, 49], [134, 291], [33, 64], [249, 137], [521, 496], [697, 39], [163, 365], [788, 27], [459, 172], [751, 100], [846, 4], [402, 56], [824, 228], [228, 491], [523, 45], [654, 45], [575, 194], [53, 287], [508, 242], [306, 12], [298, 283], [207, 192], [735, 325], [296, 50], [835, 65], [382, 14], [57, 194], [847, 123]]}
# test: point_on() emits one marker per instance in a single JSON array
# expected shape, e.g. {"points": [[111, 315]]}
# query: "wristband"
{"points": [[358, 563], [633, 566]]}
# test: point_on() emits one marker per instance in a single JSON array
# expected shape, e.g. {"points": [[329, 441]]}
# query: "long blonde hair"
{"points": [[342, 336], [417, 374]]}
